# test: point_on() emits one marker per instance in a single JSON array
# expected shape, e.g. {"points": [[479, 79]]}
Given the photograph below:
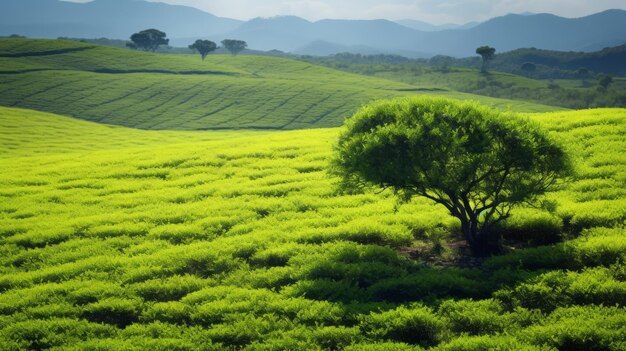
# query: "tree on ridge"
{"points": [[148, 40], [487, 53], [234, 46], [204, 47]]}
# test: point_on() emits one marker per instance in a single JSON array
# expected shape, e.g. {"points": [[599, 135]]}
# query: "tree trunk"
{"points": [[480, 242]]}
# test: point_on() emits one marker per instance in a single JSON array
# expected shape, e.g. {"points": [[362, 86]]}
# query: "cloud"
{"points": [[434, 11]]}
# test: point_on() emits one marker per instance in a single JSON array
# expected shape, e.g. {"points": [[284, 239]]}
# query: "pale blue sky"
{"points": [[433, 11]]}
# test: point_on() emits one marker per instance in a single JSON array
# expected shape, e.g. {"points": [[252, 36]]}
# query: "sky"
{"points": [[432, 11]]}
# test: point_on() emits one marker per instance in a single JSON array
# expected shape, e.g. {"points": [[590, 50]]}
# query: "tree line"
{"points": [[151, 39]]}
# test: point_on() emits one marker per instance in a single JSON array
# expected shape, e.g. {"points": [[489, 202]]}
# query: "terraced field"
{"points": [[118, 86], [113, 238]]}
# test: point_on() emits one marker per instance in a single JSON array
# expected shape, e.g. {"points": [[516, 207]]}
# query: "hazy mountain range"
{"points": [[118, 19]]}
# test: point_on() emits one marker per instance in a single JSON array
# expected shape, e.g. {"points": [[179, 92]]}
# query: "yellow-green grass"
{"points": [[114, 238], [159, 91]]}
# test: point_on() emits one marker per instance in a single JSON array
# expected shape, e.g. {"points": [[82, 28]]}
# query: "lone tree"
{"points": [[234, 46], [476, 162], [148, 40], [487, 53], [604, 82], [204, 47]]}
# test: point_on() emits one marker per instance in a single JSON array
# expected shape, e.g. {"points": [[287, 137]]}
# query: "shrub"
{"points": [[491, 343], [536, 228], [168, 289], [430, 284], [169, 312], [484, 317], [245, 329], [324, 289], [544, 257], [589, 328], [118, 311], [44, 334], [599, 247], [560, 289], [414, 325], [383, 346]]}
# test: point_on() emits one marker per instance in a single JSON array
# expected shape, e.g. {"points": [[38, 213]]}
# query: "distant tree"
{"points": [[204, 47], [487, 53], [582, 73], [605, 81], [476, 162], [529, 67], [234, 46], [148, 40]]}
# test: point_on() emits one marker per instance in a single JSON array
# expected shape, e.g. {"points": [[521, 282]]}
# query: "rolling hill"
{"points": [[114, 238], [158, 91]]}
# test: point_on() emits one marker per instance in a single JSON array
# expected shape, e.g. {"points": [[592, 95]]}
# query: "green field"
{"points": [[575, 92], [119, 86], [114, 238]]}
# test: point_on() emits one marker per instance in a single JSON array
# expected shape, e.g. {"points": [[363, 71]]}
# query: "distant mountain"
{"points": [[505, 33], [542, 31], [427, 27], [292, 34], [324, 48], [116, 19]]}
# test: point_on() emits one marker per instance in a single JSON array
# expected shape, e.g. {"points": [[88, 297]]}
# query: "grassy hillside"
{"points": [[158, 91], [571, 91], [113, 238]]}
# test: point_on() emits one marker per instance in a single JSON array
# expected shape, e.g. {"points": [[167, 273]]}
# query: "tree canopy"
{"points": [[487, 53], [204, 47], [476, 162], [148, 40], [234, 46], [604, 81]]}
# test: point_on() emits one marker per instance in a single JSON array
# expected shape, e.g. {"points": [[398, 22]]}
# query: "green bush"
{"points": [[324, 289], [169, 312], [168, 289], [491, 343], [588, 328], [544, 257], [117, 311], [43, 334], [431, 284], [560, 289], [599, 247], [383, 346], [244, 329], [484, 317], [414, 325], [536, 228]]}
